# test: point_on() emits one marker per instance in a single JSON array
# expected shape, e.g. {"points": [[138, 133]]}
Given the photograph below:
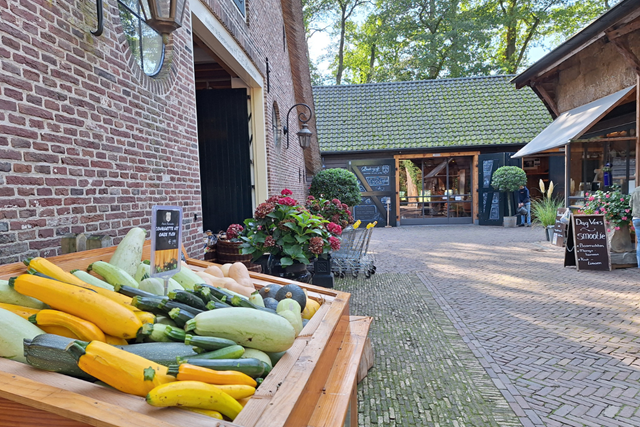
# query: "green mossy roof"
{"points": [[427, 114]]}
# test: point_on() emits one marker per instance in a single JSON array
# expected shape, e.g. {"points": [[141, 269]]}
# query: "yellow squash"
{"points": [[48, 268], [108, 315], [115, 340], [145, 317], [124, 371], [83, 329], [207, 412], [59, 330], [237, 391], [187, 372], [195, 394], [310, 309], [24, 312]]}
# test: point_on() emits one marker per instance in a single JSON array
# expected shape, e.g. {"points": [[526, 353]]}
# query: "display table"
{"points": [[313, 384]]}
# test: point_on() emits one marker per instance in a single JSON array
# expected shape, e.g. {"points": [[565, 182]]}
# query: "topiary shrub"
{"points": [[336, 184], [509, 179]]}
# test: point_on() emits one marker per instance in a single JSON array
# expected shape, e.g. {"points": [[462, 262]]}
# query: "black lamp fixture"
{"points": [[164, 16], [304, 134]]}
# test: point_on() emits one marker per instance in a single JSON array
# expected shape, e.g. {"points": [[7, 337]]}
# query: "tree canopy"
{"points": [[398, 40]]}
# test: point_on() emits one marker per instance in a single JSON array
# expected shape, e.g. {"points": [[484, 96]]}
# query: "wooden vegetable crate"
{"points": [[314, 384]]}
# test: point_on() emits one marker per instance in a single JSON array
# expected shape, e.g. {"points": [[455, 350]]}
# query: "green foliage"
{"points": [[544, 210], [401, 40], [508, 178], [338, 184], [613, 204], [287, 230]]}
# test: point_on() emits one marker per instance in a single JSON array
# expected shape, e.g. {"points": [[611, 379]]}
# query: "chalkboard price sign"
{"points": [[166, 240], [590, 242], [559, 229]]}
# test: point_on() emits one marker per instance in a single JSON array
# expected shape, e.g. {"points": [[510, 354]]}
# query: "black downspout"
{"points": [[98, 31]]}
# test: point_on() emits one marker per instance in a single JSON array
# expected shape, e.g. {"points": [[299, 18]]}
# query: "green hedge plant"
{"points": [[338, 184]]}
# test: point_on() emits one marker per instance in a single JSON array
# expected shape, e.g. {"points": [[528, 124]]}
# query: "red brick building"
{"points": [[95, 130]]}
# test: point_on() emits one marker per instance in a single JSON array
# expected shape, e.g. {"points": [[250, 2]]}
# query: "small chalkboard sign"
{"points": [[591, 247], [166, 240], [559, 229]]}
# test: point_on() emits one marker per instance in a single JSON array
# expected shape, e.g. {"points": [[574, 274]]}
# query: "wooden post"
{"points": [[397, 212], [475, 194]]}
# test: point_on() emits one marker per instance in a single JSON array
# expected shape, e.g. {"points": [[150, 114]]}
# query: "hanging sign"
{"points": [[166, 240], [590, 242]]}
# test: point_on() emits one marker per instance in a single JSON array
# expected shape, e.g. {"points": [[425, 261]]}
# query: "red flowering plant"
{"points": [[285, 229], [332, 210], [613, 204], [233, 232]]}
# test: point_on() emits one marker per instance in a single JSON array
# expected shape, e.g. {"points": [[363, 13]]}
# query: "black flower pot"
{"points": [[297, 271]]}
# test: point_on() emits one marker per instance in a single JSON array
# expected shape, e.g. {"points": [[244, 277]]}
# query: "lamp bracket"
{"points": [[302, 117]]}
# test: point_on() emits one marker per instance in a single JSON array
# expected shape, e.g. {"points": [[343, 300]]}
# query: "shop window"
{"points": [[275, 125], [145, 43]]}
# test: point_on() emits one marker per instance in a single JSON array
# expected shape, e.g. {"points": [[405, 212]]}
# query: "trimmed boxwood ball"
{"points": [[294, 292], [509, 178], [338, 184], [269, 291]]}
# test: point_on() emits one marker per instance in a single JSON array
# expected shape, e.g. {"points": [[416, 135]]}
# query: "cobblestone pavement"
{"points": [[560, 345]]}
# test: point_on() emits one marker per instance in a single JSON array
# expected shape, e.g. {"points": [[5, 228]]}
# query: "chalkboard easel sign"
{"points": [[166, 241], [587, 239], [559, 229]]}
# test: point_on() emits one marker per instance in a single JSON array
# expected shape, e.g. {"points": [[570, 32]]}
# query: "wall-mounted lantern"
{"points": [[304, 134], [164, 16]]}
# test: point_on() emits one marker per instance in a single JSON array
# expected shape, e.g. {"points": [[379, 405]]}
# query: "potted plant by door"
{"points": [[290, 234], [508, 179], [617, 212], [544, 210]]}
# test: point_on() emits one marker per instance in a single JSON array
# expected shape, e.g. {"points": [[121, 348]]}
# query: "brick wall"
{"points": [[88, 143], [261, 36]]}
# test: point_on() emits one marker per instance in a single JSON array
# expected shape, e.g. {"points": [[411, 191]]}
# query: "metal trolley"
{"points": [[353, 256]]}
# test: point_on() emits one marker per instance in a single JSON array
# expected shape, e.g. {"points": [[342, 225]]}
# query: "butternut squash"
{"points": [[239, 272], [214, 270]]}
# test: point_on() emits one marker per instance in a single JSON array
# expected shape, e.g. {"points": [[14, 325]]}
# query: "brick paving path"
{"points": [[559, 344]]}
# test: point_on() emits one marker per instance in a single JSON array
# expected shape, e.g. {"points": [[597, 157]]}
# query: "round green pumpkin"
{"points": [[294, 292]]}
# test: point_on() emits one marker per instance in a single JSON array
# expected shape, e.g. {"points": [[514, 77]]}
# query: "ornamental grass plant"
{"points": [[544, 210]]}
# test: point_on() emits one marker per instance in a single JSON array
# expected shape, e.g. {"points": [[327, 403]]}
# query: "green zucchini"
{"points": [[208, 343], [113, 274], [257, 354], [91, 279], [164, 353], [212, 305], [231, 352], [181, 316], [167, 305], [143, 271], [188, 298], [154, 332], [203, 292], [128, 254], [8, 295], [175, 334], [164, 319], [149, 304], [187, 278], [246, 326], [253, 367], [47, 352], [133, 292]]}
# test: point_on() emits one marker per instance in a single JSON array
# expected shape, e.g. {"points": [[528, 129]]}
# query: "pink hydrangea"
{"points": [[310, 197], [627, 210], [591, 198], [624, 218], [337, 202], [287, 201], [617, 228], [286, 192], [622, 199], [269, 242], [234, 231], [335, 243], [316, 245], [334, 228], [607, 195]]}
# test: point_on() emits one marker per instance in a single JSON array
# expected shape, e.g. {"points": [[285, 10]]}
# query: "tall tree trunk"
{"points": [[412, 190], [372, 63], [343, 25]]}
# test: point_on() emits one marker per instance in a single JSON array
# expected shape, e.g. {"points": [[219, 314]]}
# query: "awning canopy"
{"points": [[573, 123]]}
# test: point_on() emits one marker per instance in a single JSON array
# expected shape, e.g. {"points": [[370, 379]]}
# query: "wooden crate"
{"points": [[313, 384]]}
